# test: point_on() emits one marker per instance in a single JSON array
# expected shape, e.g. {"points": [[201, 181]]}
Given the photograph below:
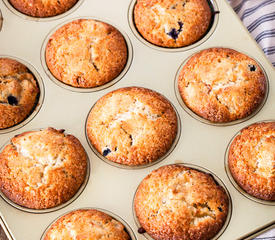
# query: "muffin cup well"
{"points": [[94, 89], [40, 98], [41, 19], [231, 178], [122, 166], [1, 20], [203, 120], [218, 182], [213, 24], [53, 209], [116, 217]]}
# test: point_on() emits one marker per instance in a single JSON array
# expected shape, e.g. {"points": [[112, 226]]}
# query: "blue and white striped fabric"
{"points": [[259, 18]]}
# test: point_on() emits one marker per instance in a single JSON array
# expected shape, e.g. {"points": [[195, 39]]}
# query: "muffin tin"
{"points": [[152, 67]]}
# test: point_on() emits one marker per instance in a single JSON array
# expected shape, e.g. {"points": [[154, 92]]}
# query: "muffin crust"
{"points": [[251, 160], [172, 23], [132, 126], [86, 53], [19, 92], [42, 169], [222, 85], [87, 224], [179, 203], [42, 8]]}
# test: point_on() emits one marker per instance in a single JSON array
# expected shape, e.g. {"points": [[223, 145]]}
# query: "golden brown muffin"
{"points": [[222, 85], [42, 169], [172, 23], [19, 92], [132, 126], [175, 202], [42, 8], [251, 160], [86, 53], [87, 224]]}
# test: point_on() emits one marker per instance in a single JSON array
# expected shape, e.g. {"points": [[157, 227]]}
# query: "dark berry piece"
{"points": [[174, 33], [141, 230], [220, 209], [252, 67], [106, 152], [180, 25], [12, 100]]}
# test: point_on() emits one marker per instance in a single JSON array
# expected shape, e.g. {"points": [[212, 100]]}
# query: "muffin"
{"points": [[42, 169], [86, 53], [172, 23], [88, 224], [251, 160], [43, 8], [19, 92], [222, 85], [132, 126], [175, 202]]}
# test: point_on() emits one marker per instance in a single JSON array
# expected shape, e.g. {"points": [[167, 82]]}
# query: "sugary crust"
{"points": [[42, 169], [222, 85], [87, 224], [172, 23], [251, 160], [86, 53], [19, 92], [179, 203], [43, 8], [137, 125]]}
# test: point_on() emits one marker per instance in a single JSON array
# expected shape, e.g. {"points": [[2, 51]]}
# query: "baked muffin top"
{"points": [[43, 8], [251, 160], [172, 23], [180, 203], [87, 224], [19, 92], [222, 85], [132, 126], [42, 169], [86, 53]]}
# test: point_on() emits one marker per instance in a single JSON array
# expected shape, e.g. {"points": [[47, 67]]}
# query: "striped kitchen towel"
{"points": [[259, 18]]}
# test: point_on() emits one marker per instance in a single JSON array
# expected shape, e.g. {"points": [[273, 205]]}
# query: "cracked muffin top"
{"points": [[19, 92], [251, 160], [172, 23], [132, 126], [42, 8], [42, 169], [86, 53], [175, 202], [222, 85], [88, 224]]}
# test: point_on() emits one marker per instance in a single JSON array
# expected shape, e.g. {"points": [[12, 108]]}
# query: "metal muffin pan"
{"points": [[113, 188]]}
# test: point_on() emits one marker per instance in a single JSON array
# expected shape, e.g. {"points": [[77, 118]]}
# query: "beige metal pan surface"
{"points": [[113, 188]]}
